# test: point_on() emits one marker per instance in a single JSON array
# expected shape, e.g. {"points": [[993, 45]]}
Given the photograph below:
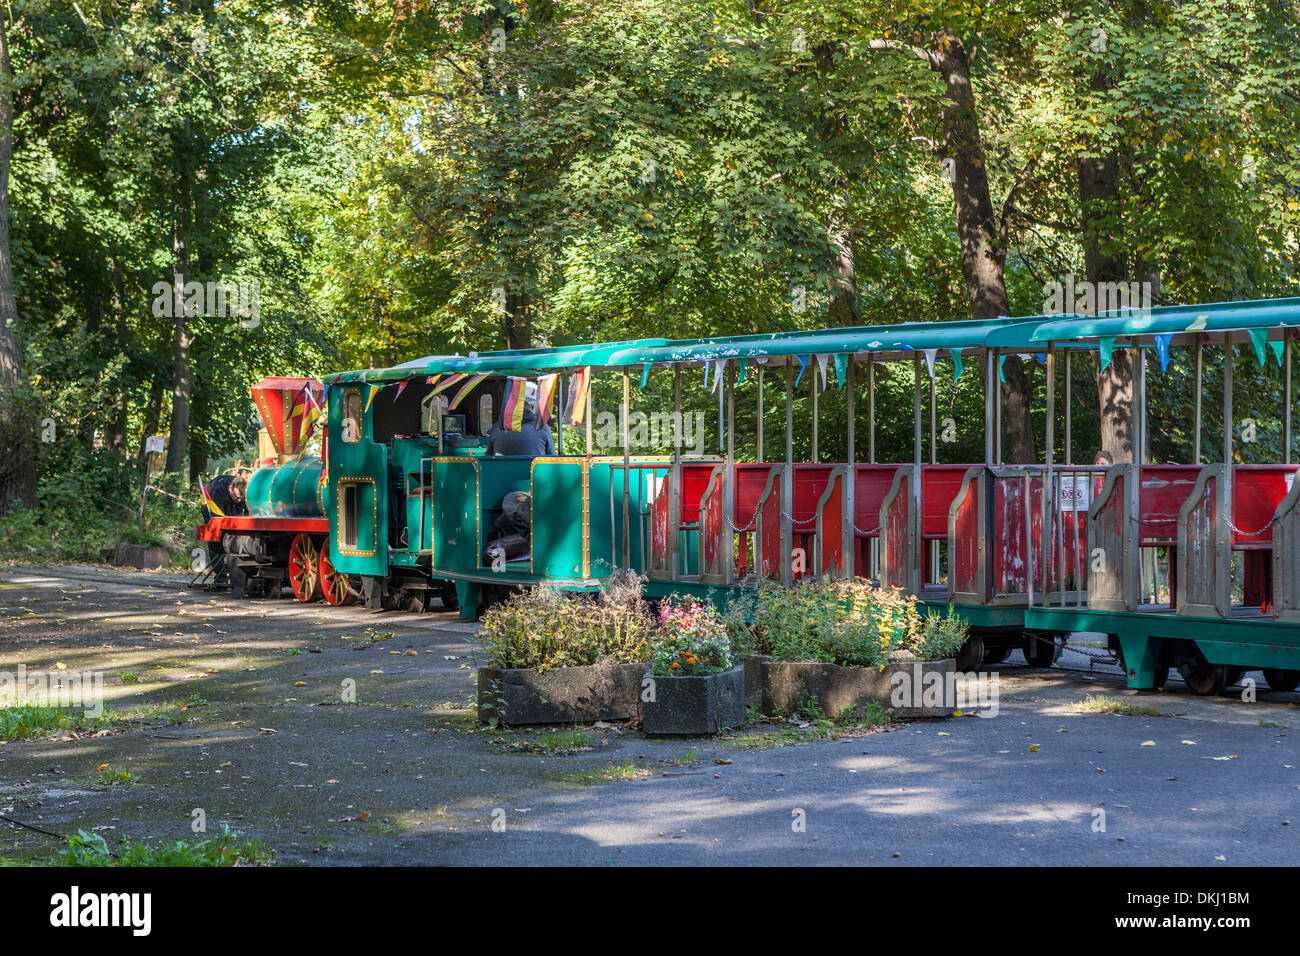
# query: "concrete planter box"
{"points": [[911, 689], [695, 705], [754, 680], [566, 695]]}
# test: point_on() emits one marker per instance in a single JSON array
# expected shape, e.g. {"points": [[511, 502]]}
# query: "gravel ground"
{"points": [[238, 715]]}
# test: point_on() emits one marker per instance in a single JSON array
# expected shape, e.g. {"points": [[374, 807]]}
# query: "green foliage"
{"points": [[545, 628], [849, 623], [226, 849]]}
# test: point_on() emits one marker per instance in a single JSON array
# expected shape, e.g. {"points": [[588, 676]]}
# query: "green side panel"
{"points": [[358, 469], [456, 542], [557, 519]]}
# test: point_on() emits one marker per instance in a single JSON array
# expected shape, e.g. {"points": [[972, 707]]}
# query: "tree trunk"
{"points": [[982, 259], [182, 380], [1098, 175], [518, 321], [17, 475], [842, 285]]}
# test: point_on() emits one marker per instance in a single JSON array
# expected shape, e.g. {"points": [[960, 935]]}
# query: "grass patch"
{"points": [[626, 770], [552, 743], [1101, 704], [38, 720], [799, 729], [226, 849], [29, 721], [129, 677], [108, 776]]}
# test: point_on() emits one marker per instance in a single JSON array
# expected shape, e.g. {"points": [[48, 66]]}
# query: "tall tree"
{"points": [[17, 481]]}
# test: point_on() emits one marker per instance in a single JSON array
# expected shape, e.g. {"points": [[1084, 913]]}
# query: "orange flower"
{"points": [[675, 664]]}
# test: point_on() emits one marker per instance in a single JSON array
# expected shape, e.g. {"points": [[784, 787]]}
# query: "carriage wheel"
{"points": [[971, 654], [1041, 651], [996, 655], [1281, 680], [1203, 677], [338, 593], [304, 569]]}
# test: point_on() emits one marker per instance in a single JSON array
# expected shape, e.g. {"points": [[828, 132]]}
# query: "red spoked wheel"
{"points": [[304, 569], [338, 592]]}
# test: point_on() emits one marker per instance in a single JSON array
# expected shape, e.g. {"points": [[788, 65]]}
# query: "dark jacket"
{"points": [[219, 492], [530, 441]]}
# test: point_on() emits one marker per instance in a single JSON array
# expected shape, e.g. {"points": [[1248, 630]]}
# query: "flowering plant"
{"points": [[691, 640]]}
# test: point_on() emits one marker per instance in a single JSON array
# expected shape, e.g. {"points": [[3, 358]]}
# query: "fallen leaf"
{"points": [[1033, 748], [300, 683], [1148, 743]]}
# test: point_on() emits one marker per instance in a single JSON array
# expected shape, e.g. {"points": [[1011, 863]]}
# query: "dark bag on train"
{"points": [[514, 546]]}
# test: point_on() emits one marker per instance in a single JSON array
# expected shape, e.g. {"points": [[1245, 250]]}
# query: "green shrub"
{"points": [[849, 623], [226, 849], [544, 627]]}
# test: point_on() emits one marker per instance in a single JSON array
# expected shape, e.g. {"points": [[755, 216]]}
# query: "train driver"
{"points": [[532, 440]]}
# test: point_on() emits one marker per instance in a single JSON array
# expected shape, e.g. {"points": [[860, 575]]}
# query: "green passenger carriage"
{"points": [[1025, 552]]}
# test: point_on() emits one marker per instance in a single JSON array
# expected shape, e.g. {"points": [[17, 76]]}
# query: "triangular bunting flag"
{"points": [[930, 356], [744, 372], [374, 390], [645, 373], [803, 364], [1001, 375], [1107, 345], [956, 363], [821, 368], [841, 369], [401, 388], [1162, 351], [1278, 346], [1259, 339]]}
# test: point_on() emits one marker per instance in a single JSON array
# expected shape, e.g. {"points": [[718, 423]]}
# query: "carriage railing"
{"points": [[900, 533], [1113, 542], [1018, 535], [1204, 548], [1286, 556]]}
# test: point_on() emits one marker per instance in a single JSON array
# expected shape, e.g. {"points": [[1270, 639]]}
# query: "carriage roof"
{"points": [[875, 342]]}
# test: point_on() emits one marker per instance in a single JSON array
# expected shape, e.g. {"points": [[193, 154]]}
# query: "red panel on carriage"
{"points": [[872, 485], [939, 487], [1164, 489], [1257, 490], [1014, 557], [695, 480], [751, 482]]}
